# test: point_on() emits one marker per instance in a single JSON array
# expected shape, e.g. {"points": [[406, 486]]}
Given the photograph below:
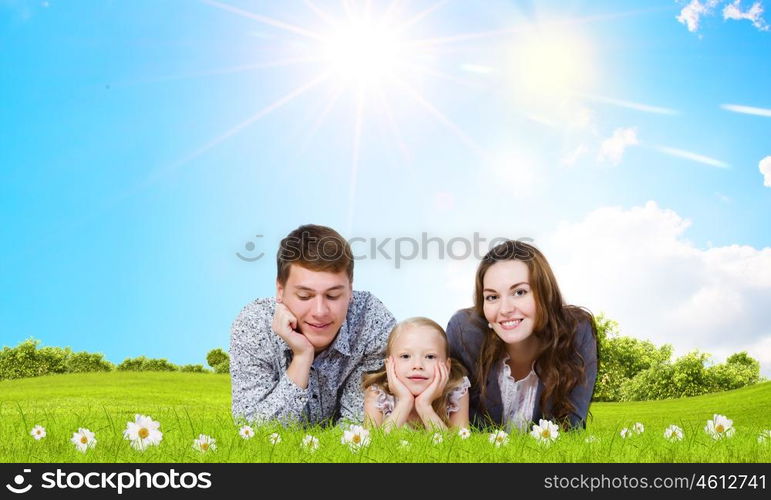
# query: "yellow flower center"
{"points": [[83, 439], [143, 433], [38, 432], [545, 433], [356, 438], [204, 446], [719, 428]]}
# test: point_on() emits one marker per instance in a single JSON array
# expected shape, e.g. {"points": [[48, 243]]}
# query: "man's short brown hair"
{"points": [[318, 248]]}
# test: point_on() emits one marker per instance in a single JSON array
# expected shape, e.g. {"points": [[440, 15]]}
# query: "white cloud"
{"points": [[754, 14], [765, 168], [691, 14], [612, 149], [637, 266]]}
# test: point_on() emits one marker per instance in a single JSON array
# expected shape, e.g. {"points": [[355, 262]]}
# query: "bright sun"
{"points": [[363, 54], [553, 62]]}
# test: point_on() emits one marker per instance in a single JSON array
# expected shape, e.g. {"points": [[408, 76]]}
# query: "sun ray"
{"points": [[390, 11], [320, 13], [421, 15], [222, 71], [688, 155], [336, 93], [444, 76], [265, 20], [355, 160], [348, 11], [439, 116], [647, 108], [749, 110], [393, 127], [462, 37], [234, 130]]}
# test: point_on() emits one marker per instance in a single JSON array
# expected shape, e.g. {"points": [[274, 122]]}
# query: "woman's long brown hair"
{"points": [[558, 363]]}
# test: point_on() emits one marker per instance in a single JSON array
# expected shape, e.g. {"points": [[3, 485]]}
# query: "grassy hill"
{"points": [[188, 404]]}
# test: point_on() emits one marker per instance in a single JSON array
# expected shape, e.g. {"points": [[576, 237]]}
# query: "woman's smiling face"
{"points": [[509, 303]]}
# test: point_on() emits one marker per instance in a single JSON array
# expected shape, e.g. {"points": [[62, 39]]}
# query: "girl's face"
{"points": [[509, 304], [416, 351]]}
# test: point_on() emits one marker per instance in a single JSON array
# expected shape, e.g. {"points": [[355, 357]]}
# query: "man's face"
{"points": [[319, 300]]}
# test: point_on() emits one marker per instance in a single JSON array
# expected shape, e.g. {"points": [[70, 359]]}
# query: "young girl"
{"points": [[531, 355], [420, 385]]}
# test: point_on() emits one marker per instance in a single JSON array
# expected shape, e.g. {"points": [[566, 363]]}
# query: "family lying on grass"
{"points": [[320, 352]]}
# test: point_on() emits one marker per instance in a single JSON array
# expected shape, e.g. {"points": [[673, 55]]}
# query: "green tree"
{"points": [[622, 358], [219, 360]]}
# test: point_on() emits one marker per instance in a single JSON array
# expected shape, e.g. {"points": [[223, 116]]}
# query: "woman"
{"points": [[530, 356]]}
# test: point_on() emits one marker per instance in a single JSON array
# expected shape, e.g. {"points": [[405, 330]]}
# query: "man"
{"points": [[300, 356]]}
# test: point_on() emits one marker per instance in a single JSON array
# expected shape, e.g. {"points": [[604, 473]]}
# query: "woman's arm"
{"points": [[581, 395]]}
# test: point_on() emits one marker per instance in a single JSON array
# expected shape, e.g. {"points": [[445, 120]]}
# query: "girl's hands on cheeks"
{"points": [[435, 388], [398, 389]]}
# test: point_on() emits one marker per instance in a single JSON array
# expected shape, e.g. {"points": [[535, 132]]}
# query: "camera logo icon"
{"points": [[19, 481]]}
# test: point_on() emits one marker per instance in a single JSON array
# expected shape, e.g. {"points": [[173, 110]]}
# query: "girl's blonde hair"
{"points": [[455, 377]]}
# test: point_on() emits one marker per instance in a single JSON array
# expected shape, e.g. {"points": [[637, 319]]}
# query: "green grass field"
{"points": [[189, 404]]}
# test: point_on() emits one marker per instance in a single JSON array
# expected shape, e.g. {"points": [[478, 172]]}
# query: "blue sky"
{"points": [[144, 143]]}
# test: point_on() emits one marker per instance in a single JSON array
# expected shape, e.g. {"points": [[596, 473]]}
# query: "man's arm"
{"points": [[378, 325], [352, 398], [261, 389]]}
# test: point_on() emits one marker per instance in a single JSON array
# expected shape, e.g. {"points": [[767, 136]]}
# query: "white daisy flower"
{"points": [[38, 432], [143, 432], [355, 437], [83, 439], [204, 443], [638, 428], [673, 433], [437, 438], [274, 438], [404, 443], [719, 427], [499, 438], [310, 443], [246, 432], [591, 439], [545, 431], [625, 433], [765, 436], [464, 433]]}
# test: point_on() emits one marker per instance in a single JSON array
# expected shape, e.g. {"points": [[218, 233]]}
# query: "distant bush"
{"points": [[144, 364], [738, 370], [83, 362], [635, 370], [26, 360], [219, 360], [193, 369]]}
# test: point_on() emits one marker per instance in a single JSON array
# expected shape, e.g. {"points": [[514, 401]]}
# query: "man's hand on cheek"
{"points": [[285, 324]]}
